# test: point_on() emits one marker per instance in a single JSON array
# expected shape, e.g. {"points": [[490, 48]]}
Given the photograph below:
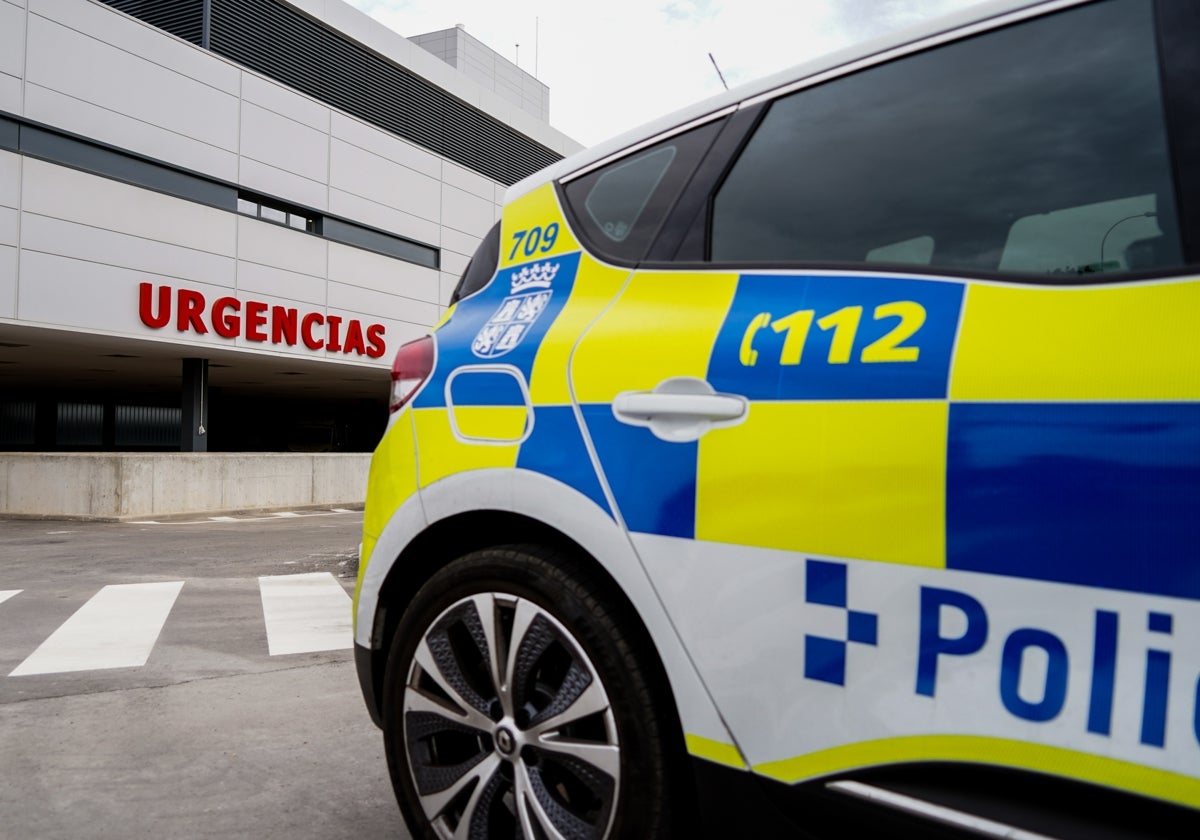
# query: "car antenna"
{"points": [[718, 69]]}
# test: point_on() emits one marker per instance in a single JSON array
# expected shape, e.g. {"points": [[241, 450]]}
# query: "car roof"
{"points": [[979, 13]]}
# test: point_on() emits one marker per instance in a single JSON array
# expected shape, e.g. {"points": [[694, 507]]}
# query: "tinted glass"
{"points": [[482, 266], [617, 199], [1036, 149], [619, 207]]}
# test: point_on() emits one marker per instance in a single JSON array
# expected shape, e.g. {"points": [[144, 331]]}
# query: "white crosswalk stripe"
{"points": [[305, 612], [117, 628], [120, 625]]}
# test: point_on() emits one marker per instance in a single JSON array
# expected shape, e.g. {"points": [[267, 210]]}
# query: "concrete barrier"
{"points": [[136, 485]]}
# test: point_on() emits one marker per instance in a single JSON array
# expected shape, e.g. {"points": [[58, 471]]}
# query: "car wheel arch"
{"points": [[472, 531]]}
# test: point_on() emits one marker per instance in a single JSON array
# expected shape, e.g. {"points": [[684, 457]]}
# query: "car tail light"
{"points": [[413, 364]]}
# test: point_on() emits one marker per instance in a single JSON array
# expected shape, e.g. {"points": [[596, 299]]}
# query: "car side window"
{"points": [[619, 207], [482, 266], [1038, 149]]}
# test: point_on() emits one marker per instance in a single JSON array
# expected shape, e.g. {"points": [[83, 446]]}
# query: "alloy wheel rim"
{"points": [[508, 728]]}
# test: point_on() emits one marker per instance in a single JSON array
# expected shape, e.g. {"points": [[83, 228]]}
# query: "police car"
{"points": [[822, 459]]}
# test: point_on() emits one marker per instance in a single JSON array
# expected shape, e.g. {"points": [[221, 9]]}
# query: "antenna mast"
{"points": [[718, 69]]}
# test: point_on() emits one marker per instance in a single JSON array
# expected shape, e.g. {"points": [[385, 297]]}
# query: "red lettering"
{"points": [[146, 305], [283, 325], [256, 318], [229, 315], [191, 312], [354, 338], [306, 326], [226, 324], [375, 339], [334, 343]]}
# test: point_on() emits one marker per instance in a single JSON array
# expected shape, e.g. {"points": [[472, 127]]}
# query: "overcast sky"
{"points": [[615, 64]]}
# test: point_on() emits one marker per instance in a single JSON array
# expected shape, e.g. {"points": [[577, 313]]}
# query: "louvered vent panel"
{"points": [[184, 18], [281, 42]]}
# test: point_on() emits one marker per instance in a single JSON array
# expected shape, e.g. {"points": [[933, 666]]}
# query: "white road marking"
{"points": [[265, 517], [305, 613], [8, 593], [117, 628]]}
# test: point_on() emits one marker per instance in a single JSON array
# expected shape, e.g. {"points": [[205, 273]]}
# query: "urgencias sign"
{"points": [[255, 320]]}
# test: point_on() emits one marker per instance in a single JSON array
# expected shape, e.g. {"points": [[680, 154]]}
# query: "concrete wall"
{"points": [[131, 485]]}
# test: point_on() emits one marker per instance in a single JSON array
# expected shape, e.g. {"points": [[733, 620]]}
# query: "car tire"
{"points": [[570, 744]]}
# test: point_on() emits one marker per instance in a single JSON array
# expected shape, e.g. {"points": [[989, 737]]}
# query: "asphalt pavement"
{"points": [[185, 679]]}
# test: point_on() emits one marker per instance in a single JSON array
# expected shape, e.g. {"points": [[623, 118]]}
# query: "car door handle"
{"points": [[679, 409], [649, 404]]}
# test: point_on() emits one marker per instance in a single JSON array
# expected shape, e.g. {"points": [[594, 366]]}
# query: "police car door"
{"points": [[870, 418]]}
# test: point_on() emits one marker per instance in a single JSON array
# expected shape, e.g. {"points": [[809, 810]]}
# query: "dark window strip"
{"points": [[56, 147], [372, 240], [10, 131]]}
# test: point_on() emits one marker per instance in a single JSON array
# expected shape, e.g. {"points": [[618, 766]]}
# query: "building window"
{"points": [[276, 212]]}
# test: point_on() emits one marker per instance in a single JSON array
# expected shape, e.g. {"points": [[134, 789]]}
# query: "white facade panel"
{"points": [[284, 143], [448, 282], [10, 94], [65, 292], [10, 226], [12, 40], [256, 280], [368, 302], [272, 180], [465, 179], [454, 264], [8, 282], [383, 181], [10, 179], [88, 120], [65, 193], [90, 70], [467, 213], [275, 245], [460, 243], [285, 102], [356, 267], [107, 247], [376, 215], [388, 146], [402, 332], [141, 39]]}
